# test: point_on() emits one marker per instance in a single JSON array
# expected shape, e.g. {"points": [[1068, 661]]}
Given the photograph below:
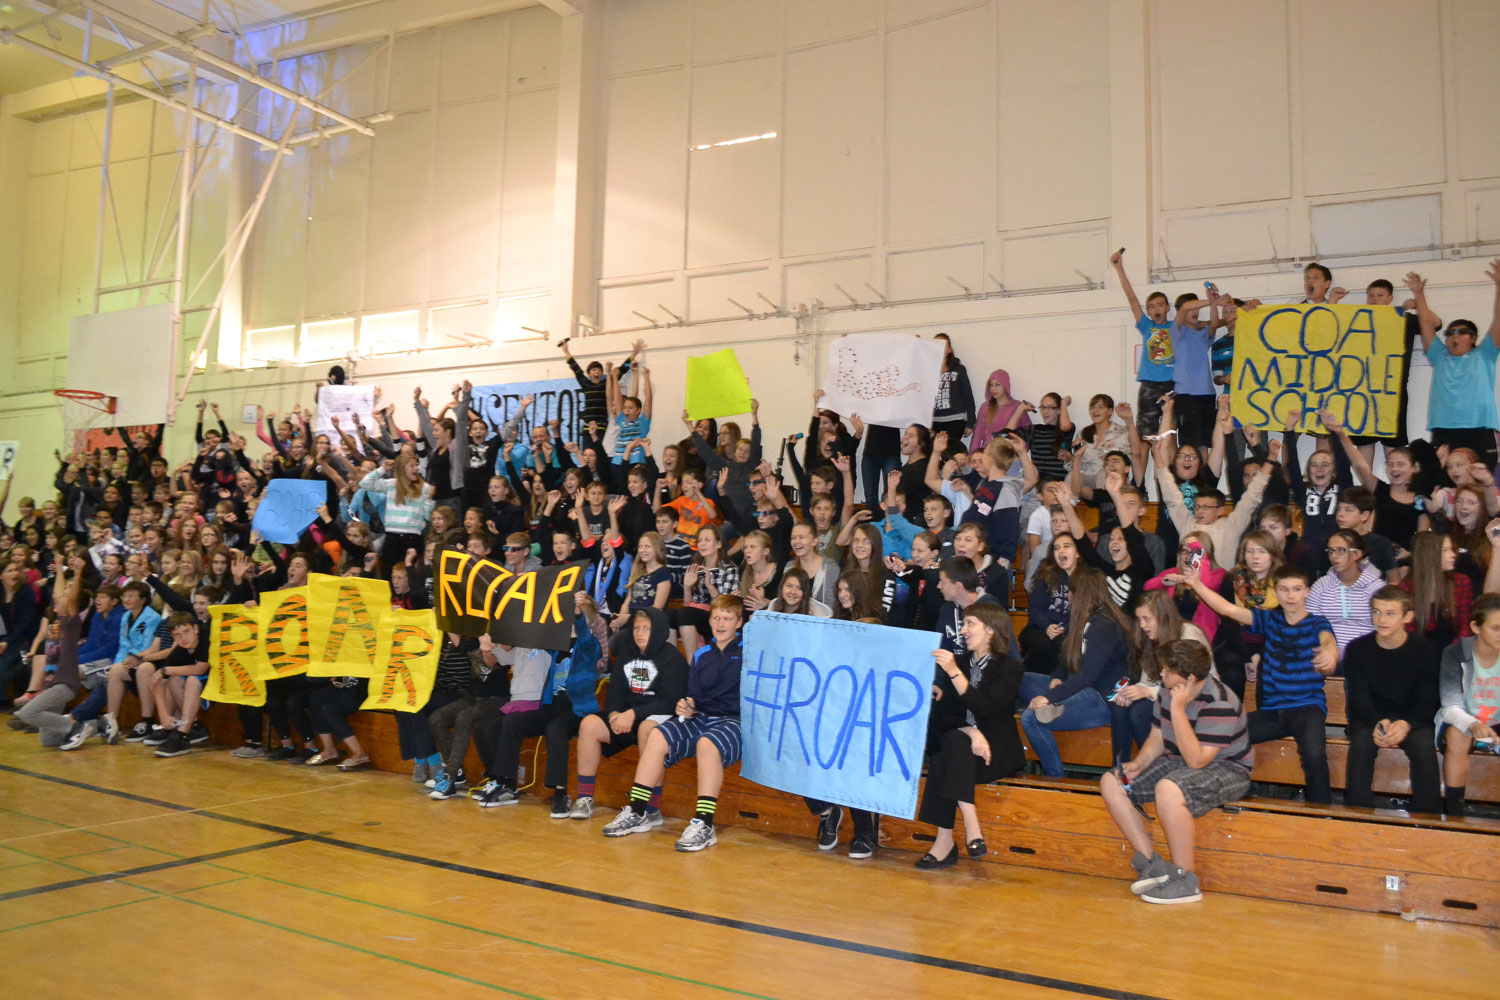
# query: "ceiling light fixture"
{"points": [[736, 142]]}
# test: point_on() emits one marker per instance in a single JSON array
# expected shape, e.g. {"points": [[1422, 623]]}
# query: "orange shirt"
{"points": [[692, 515]]}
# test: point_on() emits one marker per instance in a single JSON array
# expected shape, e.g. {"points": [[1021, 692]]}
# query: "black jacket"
{"points": [[993, 703], [650, 681]]}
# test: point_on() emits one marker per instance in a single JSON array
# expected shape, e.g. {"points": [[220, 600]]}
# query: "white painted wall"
{"points": [[922, 145]]}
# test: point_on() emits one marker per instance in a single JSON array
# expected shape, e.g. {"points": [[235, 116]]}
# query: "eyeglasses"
{"points": [[1331, 551], [1209, 506], [757, 482], [516, 548]]}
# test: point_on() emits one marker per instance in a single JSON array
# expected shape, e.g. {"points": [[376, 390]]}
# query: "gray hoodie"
{"points": [[1454, 678]]}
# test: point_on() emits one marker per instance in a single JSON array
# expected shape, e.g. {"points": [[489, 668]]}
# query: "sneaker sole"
{"points": [[171, 753], [436, 797], [861, 855], [579, 817], [1195, 897], [694, 848], [1140, 885], [496, 805], [643, 828], [566, 815]]}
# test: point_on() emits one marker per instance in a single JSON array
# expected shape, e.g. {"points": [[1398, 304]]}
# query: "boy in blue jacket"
{"points": [[706, 725]]}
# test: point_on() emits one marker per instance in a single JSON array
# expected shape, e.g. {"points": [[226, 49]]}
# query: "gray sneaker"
{"points": [[248, 752], [629, 821], [655, 818], [583, 808], [1047, 713], [697, 836], [1180, 887], [1153, 871], [80, 735]]}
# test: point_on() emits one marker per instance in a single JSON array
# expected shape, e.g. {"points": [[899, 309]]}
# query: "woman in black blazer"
{"points": [[973, 730]]}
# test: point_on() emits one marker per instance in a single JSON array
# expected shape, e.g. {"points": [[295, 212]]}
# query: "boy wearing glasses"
{"points": [[518, 557], [1461, 410]]}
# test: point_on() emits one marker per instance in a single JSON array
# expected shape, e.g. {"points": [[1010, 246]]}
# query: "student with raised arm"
{"points": [[1198, 757], [593, 385], [1398, 507], [1154, 372], [1206, 514], [1300, 651], [1461, 410]]}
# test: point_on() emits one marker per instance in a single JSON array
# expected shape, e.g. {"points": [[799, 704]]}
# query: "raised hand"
{"points": [[1116, 258], [1124, 412], [1293, 418], [1493, 271], [940, 442], [1334, 424], [1416, 282], [1336, 294]]}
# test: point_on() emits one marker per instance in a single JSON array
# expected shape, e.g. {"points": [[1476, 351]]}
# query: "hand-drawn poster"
{"points": [[883, 378]]}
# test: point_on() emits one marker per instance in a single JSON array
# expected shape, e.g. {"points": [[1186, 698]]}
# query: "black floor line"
{"points": [[840, 944], [160, 866]]}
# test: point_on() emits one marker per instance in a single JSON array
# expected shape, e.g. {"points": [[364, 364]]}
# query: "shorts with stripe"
{"points": [[682, 736], [1204, 788]]}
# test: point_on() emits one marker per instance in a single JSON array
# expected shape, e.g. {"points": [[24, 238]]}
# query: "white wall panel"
{"points": [[466, 199], [88, 140], [731, 29], [43, 237], [815, 279], [209, 226], [1482, 214], [899, 12], [398, 254], [810, 22], [414, 72], [526, 198], [1372, 94], [1054, 112], [128, 181], [618, 305], [645, 34], [278, 247], [940, 110], [1476, 82], [1380, 224], [733, 191], [340, 176], [919, 274], [645, 173], [1224, 112], [49, 146], [534, 42], [131, 136], [1049, 261], [335, 265], [75, 284], [1206, 237], [709, 294], [473, 60], [401, 160], [832, 159]]}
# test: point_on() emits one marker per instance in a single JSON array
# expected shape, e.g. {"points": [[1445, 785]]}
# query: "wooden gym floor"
{"points": [[128, 876]]}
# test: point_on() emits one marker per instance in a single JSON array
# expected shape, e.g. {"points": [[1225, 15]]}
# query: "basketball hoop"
{"points": [[83, 410]]}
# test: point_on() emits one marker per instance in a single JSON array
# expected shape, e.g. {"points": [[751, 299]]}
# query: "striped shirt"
{"points": [[631, 431], [408, 518], [1288, 679], [678, 557], [1346, 606], [455, 669], [1217, 719]]}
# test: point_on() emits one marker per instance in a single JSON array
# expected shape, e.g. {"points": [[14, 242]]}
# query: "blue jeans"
{"points": [[872, 472], [94, 705], [1084, 710], [1129, 726]]}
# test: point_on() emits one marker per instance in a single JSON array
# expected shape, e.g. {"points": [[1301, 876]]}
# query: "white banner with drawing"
{"points": [[345, 402], [9, 450], [889, 379]]}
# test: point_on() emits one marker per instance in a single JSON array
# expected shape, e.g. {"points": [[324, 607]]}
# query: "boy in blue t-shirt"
{"points": [[1300, 651], [1461, 409], [1154, 373], [1195, 405]]}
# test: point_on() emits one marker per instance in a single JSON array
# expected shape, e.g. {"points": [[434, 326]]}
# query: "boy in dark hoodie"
{"points": [[649, 678], [706, 726]]}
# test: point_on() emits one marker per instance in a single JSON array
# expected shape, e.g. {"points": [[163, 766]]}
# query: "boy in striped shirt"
{"points": [[1197, 758], [1300, 651]]}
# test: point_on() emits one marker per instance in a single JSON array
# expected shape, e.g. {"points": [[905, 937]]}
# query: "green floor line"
{"points": [[81, 913], [363, 951], [65, 828], [512, 938]]}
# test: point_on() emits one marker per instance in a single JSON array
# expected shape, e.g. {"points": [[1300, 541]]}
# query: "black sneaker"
{"points": [[175, 745], [138, 733], [862, 846], [157, 736], [562, 806], [281, 753], [828, 828], [198, 734]]}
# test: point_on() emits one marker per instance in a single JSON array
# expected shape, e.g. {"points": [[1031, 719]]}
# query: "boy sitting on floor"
{"points": [[1197, 758], [706, 726]]}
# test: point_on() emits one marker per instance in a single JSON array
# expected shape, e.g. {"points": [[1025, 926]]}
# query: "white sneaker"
{"points": [[81, 734], [697, 836], [583, 808], [628, 822], [110, 729]]}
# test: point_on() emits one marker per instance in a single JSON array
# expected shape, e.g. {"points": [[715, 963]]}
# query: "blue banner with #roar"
{"points": [[836, 710]]}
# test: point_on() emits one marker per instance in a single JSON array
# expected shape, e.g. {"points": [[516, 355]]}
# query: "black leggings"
{"points": [[500, 741], [331, 707], [393, 550], [286, 705]]}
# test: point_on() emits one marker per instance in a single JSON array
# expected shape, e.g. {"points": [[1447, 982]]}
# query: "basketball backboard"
{"points": [[126, 354]]}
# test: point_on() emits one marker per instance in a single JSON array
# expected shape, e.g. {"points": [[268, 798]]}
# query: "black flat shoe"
{"points": [[930, 862], [977, 849]]}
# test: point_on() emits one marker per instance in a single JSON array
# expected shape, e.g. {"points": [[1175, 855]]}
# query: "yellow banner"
{"points": [[716, 386], [234, 656], [333, 627], [1343, 358], [409, 648]]}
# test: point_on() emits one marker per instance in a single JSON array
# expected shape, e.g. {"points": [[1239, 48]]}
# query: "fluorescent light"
{"points": [[736, 142]]}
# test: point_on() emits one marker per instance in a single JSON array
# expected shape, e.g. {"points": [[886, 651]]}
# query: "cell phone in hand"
{"points": [[1195, 554]]}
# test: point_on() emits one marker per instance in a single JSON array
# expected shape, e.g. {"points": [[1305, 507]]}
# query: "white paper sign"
{"points": [[249, 414], [886, 378], [345, 402], [9, 450]]}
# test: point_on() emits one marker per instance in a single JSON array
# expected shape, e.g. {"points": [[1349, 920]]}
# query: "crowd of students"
{"points": [[1265, 573]]}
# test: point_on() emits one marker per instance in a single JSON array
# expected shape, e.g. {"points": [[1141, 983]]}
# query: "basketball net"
{"points": [[83, 410]]}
